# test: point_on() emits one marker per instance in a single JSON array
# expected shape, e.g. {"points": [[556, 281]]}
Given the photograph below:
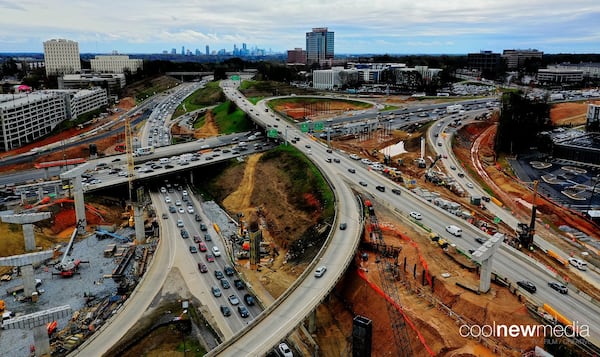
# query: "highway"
{"points": [[307, 292]]}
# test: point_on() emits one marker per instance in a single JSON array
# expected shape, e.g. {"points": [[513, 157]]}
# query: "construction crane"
{"points": [[384, 251], [429, 176], [527, 232], [129, 154]]}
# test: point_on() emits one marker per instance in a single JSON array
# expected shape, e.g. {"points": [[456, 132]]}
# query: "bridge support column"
{"points": [[79, 204], [138, 221], [41, 340], [192, 178], [312, 321], [29, 237], [28, 280]]}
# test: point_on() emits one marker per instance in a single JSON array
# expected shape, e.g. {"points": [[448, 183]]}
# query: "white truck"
{"points": [[454, 230]]}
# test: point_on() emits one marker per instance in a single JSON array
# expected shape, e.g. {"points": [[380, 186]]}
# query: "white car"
{"points": [[179, 223], [167, 199], [469, 185], [354, 157], [190, 209], [285, 350], [216, 251], [320, 271], [366, 161], [415, 215]]}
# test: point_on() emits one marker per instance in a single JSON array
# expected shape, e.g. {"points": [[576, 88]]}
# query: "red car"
{"points": [[203, 268], [210, 258], [202, 247], [197, 238]]}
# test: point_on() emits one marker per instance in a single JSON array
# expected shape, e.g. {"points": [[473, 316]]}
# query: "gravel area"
{"points": [[57, 291]]}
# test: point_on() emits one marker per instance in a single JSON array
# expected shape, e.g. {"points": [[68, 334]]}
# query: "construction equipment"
{"points": [[525, 233], [429, 174]]}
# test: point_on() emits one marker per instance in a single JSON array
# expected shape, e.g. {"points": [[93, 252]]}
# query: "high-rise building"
{"points": [[487, 62], [182, 50], [319, 46], [61, 57], [173, 51], [207, 49]]}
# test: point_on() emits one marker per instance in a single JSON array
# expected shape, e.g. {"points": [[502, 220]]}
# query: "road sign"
{"points": [[304, 127], [272, 133], [497, 220], [235, 78], [318, 126]]}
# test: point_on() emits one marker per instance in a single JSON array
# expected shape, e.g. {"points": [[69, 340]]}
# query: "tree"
{"points": [[520, 122]]}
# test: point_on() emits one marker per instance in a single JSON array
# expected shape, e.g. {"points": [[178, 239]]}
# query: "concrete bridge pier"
{"points": [[79, 204], [312, 321], [138, 221]]}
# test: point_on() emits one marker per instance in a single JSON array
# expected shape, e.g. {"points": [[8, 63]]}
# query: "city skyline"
{"points": [[426, 27]]}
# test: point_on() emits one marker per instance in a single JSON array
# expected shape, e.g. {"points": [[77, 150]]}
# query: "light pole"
{"points": [[593, 192]]}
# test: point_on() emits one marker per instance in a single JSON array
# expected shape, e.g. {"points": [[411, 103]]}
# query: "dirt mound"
{"points": [[209, 129], [568, 114]]}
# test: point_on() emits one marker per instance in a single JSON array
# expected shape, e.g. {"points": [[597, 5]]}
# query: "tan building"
{"points": [[61, 57], [115, 64]]}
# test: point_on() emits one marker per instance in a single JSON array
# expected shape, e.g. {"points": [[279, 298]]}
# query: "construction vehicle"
{"points": [[525, 233], [68, 269], [429, 174], [393, 174]]}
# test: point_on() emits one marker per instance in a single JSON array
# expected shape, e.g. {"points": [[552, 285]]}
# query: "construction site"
{"points": [[414, 287]]}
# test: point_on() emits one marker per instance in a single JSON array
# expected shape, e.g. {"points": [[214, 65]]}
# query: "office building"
{"points": [[516, 58], [559, 75], [115, 64], [61, 57], [334, 78], [592, 122], [589, 70], [487, 62], [320, 46], [207, 50], [296, 56], [28, 117], [113, 82]]}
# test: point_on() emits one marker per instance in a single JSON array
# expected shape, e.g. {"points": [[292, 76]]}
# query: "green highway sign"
{"points": [[304, 127], [272, 133], [235, 78], [318, 126]]}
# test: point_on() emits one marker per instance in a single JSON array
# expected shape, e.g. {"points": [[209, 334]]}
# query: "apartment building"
{"points": [[115, 64], [61, 57]]}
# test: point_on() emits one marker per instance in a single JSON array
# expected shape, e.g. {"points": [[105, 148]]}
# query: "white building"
{"points": [[333, 78], [25, 118], [115, 64], [61, 57], [592, 122], [28, 117], [557, 75], [590, 70]]}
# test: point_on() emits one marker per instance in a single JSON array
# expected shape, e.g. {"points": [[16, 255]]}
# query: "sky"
{"points": [[360, 26]]}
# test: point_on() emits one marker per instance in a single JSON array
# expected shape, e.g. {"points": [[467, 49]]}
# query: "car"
{"points": [[165, 216], [415, 215], [454, 230], [225, 284], [243, 310], [380, 188], [233, 299], [184, 234], [203, 227], [461, 174], [210, 258], [362, 183], [452, 167], [284, 350], [396, 191], [239, 284], [307, 146], [469, 185], [329, 151], [202, 247], [351, 170], [249, 299], [343, 226], [216, 291], [219, 274], [181, 210], [320, 271], [336, 160], [178, 203], [190, 209], [172, 209], [480, 240], [216, 251], [193, 249], [202, 267], [207, 237], [527, 285], [197, 218], [225, 310], [229, 271], [558, 287], [167, 199], [197, 238]]}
